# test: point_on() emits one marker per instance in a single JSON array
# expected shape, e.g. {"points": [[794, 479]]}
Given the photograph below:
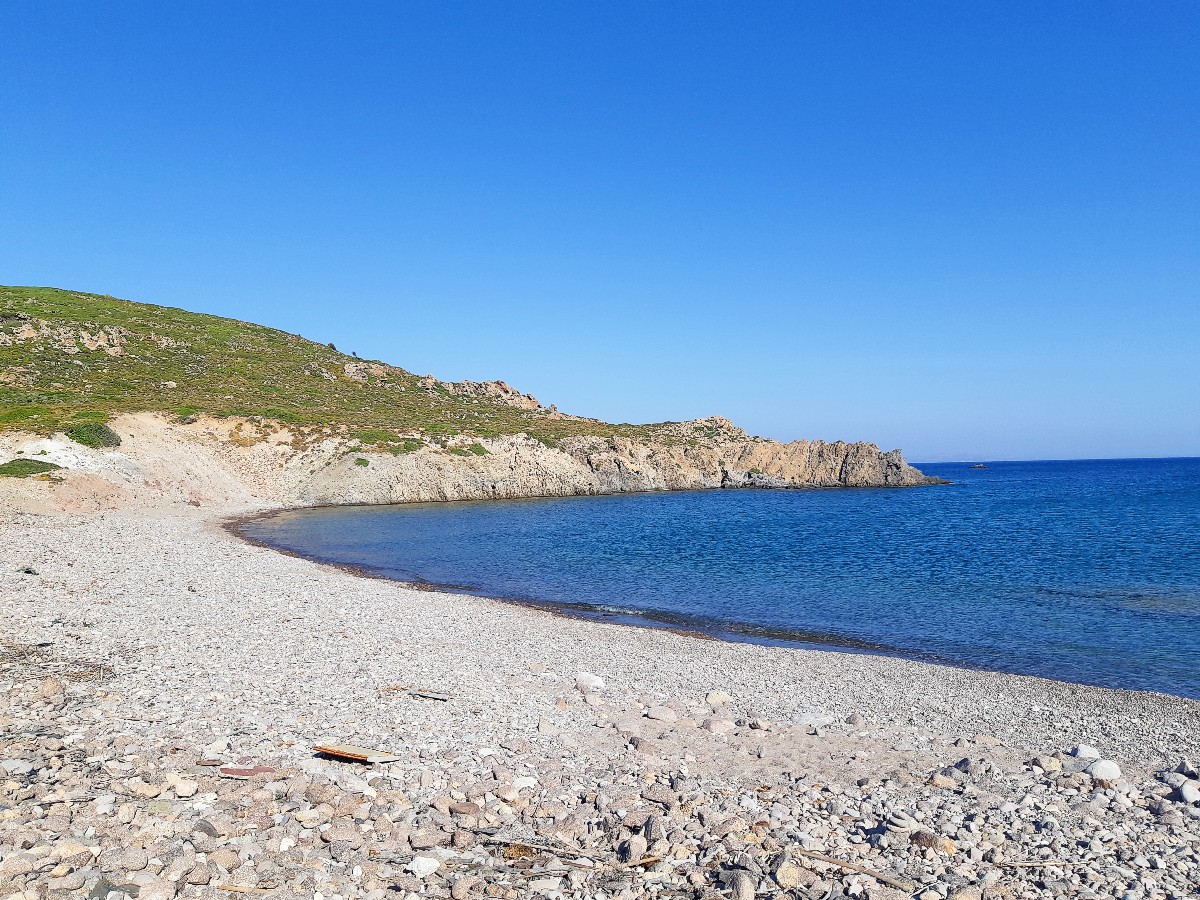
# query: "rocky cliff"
{"points": [[238, 464]]}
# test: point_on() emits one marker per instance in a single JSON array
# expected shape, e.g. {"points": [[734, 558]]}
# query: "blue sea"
{"points": [[1085, 571]]}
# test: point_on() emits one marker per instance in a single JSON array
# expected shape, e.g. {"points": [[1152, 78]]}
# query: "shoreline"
{"points": [[224, 526], [725, 632], [556, 731]]}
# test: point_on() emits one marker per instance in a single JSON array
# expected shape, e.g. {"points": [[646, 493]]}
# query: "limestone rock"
{"points": [[632, 850], [423, 866], [786, 872], [1103, 769], [1189, 792], [588, 683]]}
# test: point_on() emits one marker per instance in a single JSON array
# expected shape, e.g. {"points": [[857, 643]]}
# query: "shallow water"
{"points": [[1083, 571]]}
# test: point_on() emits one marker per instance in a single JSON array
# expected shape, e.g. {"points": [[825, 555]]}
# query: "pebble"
{"points": [[423, 866], [741, 885], [186, 789], [589, 683], [632, 850], [787, 873], [1189, 792], [1103, 769], [158, 889]]}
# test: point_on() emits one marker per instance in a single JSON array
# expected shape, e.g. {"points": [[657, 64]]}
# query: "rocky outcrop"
{"points": [[27, 329], [492, 390], [237, 464]]}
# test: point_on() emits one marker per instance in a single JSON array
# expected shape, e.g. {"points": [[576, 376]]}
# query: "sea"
{"points": [[1083, 571]]}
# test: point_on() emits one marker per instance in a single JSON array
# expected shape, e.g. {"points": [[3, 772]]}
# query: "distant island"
{"points": [[296, 421]]}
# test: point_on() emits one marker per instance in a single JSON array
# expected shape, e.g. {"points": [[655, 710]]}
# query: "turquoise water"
{"points": [[1081, 571]]}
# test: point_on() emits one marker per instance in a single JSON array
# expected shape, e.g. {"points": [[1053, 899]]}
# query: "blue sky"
{"points": [[967, 230]]}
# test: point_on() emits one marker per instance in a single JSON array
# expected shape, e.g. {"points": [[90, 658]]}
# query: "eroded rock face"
{"points": [[519, 467], [744, 462], [108, 338], [232, 464], [493, 390]]}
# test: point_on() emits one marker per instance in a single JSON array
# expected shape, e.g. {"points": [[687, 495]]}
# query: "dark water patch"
{"points": [[1081, 571]]}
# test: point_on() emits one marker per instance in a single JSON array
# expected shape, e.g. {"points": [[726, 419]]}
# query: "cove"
{"points": [[1078, 571]]}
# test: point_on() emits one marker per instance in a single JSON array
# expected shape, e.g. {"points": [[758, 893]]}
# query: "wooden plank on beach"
{"points": [[355, 753]]}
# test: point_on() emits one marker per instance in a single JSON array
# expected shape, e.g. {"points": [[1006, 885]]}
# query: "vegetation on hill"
{"points": [[70, 361], [23, 468]]}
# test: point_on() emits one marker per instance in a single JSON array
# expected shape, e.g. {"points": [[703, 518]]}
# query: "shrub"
{"points": [[93, 434], [473, 450], [362, 462], [376, 436], [21, 468], [20, 414], [405, 447]]}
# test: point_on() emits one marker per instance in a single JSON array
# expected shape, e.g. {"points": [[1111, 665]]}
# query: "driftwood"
{"points": [[245, 889], [898, 883], [418, 692], [855, 867]]}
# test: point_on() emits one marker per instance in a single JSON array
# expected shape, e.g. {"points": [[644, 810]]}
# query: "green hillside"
{"points": [[67, 357]]}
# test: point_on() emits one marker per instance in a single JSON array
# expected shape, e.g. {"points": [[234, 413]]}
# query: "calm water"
{"points": [[1083, 571]]}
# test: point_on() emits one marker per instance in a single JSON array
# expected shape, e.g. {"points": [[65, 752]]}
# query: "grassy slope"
{"points": [[224, 367]]}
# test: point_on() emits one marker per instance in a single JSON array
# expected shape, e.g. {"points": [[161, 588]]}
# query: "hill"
{"points": [[69, 357], [133, 403]]}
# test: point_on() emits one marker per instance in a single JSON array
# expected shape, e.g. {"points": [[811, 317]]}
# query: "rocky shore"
{"points": [[165, 684], [230, 463]]}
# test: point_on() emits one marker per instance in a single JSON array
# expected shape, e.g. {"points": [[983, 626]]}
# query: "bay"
{"points": [[1085, 571]]}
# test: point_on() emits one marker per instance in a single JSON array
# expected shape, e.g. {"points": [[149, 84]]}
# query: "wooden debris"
{"points": [[424, 694], [355, 753], [897, 883], [417, 692], [245, 889], [645, 862], [244, 773]]}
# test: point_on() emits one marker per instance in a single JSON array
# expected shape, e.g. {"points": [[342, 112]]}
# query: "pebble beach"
{"points": [[165, 684]]}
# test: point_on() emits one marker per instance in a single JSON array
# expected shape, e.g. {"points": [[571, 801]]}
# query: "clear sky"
{"points": [[971, 230]]}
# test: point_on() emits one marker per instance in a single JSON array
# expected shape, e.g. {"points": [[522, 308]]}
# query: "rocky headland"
{"points": [[220, 462], [217, 411]]}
